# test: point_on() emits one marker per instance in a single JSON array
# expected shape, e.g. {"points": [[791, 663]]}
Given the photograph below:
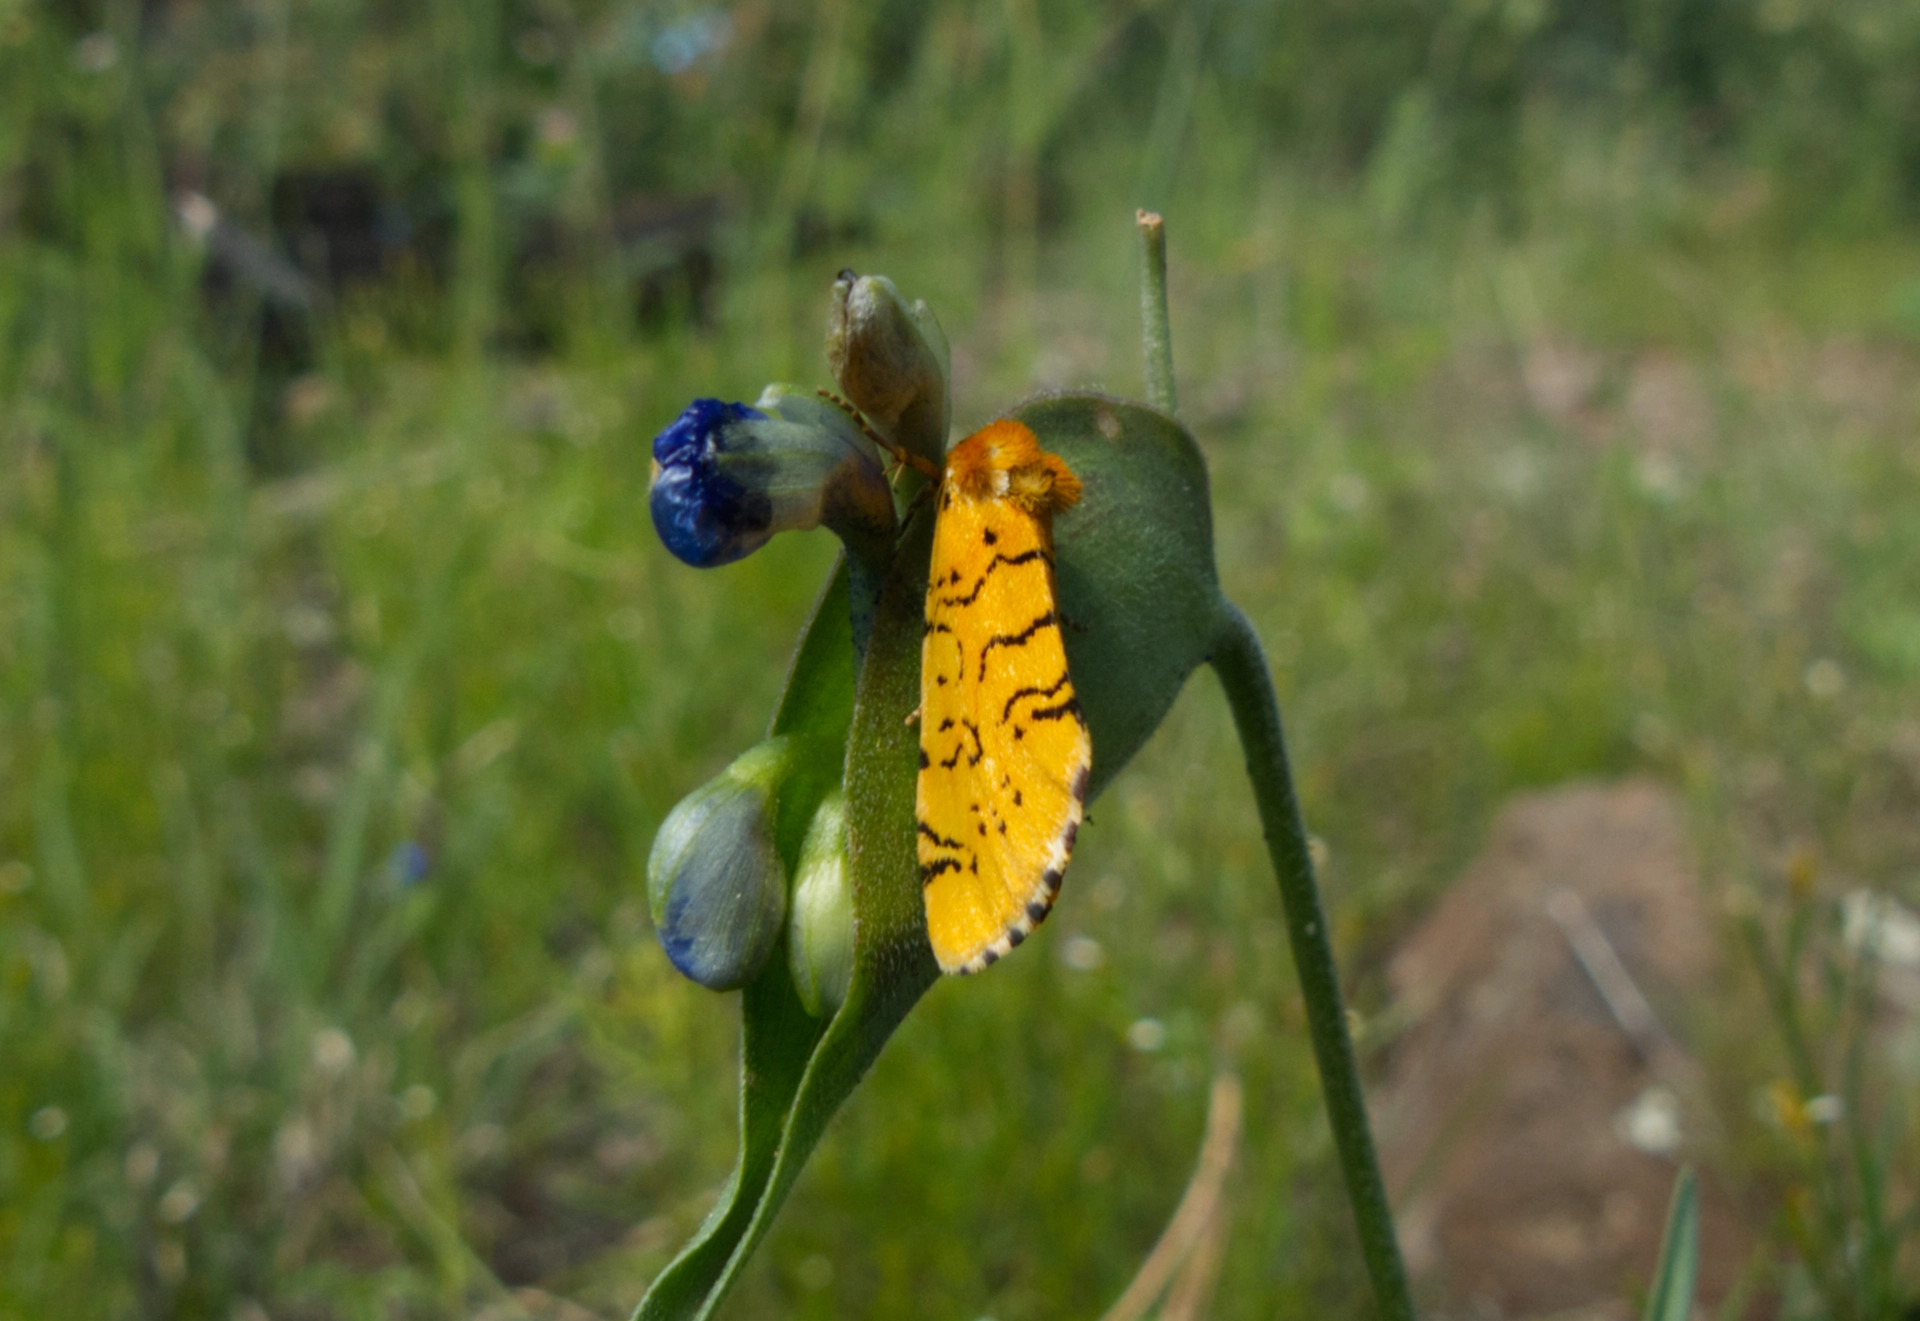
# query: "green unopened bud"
{"points": [[892, 362], [715, 883], [1134, 565], [820, 919]]}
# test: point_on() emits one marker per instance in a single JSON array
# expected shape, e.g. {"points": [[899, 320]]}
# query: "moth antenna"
{"points": [[900, 455]]}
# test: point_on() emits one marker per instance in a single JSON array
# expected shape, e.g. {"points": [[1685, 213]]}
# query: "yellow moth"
{"points": [[1004, 750]]}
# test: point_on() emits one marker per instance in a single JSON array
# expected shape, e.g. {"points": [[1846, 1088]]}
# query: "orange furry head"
{"points": [[1004, 460]]}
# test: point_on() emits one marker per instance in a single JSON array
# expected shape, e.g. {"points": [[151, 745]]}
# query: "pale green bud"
{"points": [[820, 918]]}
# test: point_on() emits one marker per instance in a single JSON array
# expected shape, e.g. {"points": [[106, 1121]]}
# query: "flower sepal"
{"points": [[892, 361]]}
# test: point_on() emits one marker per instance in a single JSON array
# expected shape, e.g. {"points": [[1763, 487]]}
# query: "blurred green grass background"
{"points": [[1556, 362]]}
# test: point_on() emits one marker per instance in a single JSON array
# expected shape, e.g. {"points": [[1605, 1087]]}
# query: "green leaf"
{"points": [[1134, 561], [1673, 1278]]}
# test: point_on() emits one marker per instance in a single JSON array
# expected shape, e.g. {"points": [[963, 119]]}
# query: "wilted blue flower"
{"points": [[729, 476]]}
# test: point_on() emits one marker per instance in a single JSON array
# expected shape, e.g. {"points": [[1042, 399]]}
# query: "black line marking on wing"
{"points": [[1019, 639], [1033, 691], [1024, 557], [1070, 707], [938, 840], [972, 759], [929, 870]]}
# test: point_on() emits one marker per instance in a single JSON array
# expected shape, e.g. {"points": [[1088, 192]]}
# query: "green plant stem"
{"points": [[1156, 332], [1242, 667], [1678, 1270]]}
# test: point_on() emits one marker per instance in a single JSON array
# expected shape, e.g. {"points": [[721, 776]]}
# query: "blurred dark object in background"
{"points": [[337, 234], [668, 255], [342, 229], [663, 251]]}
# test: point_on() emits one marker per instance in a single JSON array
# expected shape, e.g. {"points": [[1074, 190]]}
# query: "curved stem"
{"points": [[1242, 667]]}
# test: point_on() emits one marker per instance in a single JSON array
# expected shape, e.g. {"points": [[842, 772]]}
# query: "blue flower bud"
{"points": [[726, 477], [820, 920], [715, 884]]}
